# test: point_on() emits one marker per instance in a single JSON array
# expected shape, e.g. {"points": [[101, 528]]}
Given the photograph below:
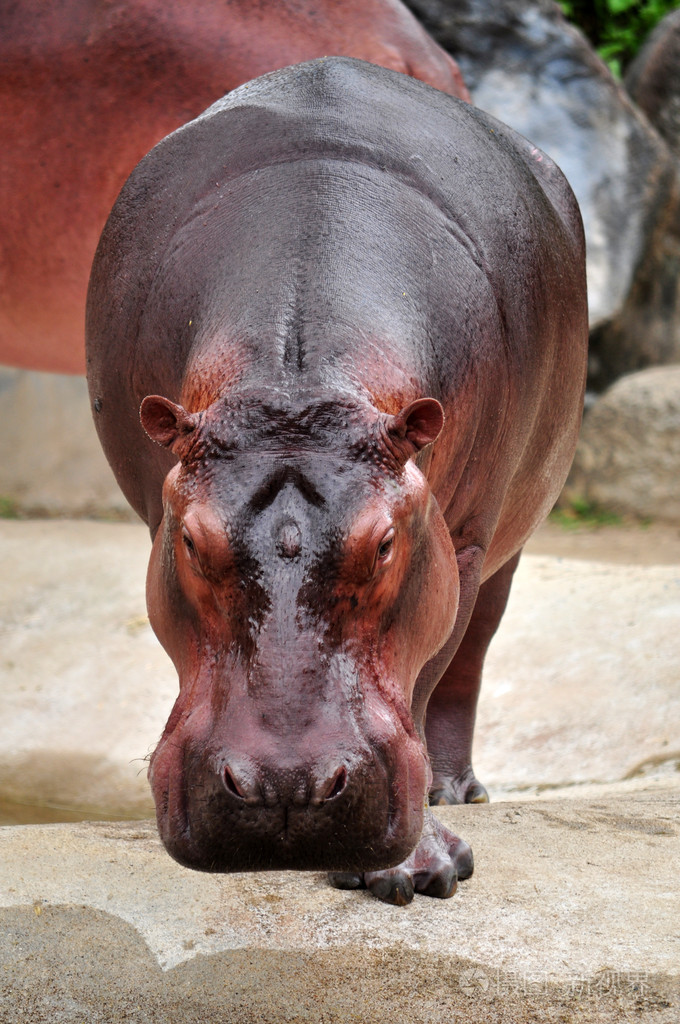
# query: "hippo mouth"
{"points": [[367, 820]]}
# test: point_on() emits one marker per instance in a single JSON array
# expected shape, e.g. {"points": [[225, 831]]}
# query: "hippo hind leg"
{"points": [[438, 863], [452, 707]]}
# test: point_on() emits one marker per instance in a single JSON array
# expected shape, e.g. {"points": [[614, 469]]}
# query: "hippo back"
{"points": [[471, 263]]}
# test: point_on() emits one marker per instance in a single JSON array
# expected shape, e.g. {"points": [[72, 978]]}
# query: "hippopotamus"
{"points": [[336, 345], [87, 88]]}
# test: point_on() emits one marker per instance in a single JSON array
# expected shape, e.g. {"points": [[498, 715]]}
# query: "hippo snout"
{"points": [[343, 811]]}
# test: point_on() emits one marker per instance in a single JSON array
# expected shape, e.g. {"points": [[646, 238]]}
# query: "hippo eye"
{"points": [[189, 545], [385, 546]]}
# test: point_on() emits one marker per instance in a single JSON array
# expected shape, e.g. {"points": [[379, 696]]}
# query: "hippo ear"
{"points": [[165, 422], [419, 423]]}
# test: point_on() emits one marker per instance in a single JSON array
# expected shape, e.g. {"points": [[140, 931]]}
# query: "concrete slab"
{"points": [[582, 681], [85, 686], [50, 457], [573, 914]]}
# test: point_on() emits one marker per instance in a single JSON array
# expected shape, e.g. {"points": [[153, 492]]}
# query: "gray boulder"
{"points": [[526, 65], [628, 456], [653, 79]]}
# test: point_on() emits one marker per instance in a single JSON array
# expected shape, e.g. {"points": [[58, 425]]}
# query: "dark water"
{"points": [[27, 814]]}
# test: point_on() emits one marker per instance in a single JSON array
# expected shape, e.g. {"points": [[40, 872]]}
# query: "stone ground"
{"points": [[572, 914]]}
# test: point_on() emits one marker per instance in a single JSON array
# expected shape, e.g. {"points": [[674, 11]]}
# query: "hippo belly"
{"points": [[87, 88], [336, 343]]}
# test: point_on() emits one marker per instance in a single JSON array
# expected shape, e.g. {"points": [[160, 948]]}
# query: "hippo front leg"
{"points": [[441, 859], [453, 705], [438, 863]]}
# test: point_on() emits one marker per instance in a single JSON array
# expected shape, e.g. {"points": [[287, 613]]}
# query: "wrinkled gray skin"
{"points": [[352, 311]]}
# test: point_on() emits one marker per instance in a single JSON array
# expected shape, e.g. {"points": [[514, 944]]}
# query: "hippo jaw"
{"points": [[299, 596], [301, 808]]}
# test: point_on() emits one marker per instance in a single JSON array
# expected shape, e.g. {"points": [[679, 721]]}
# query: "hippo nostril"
{"points": [[335, 786], [231, 785]]}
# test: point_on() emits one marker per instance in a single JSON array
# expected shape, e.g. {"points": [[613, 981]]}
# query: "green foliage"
{"points": [[8, 508], [617, 28], [583, 513]]}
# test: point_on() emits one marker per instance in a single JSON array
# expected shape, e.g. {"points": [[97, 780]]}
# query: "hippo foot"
{"points": [[438, 863], [457, 789]]}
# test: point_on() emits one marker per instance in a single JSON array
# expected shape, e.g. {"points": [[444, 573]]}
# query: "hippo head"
{"points": [[301, 577]]}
